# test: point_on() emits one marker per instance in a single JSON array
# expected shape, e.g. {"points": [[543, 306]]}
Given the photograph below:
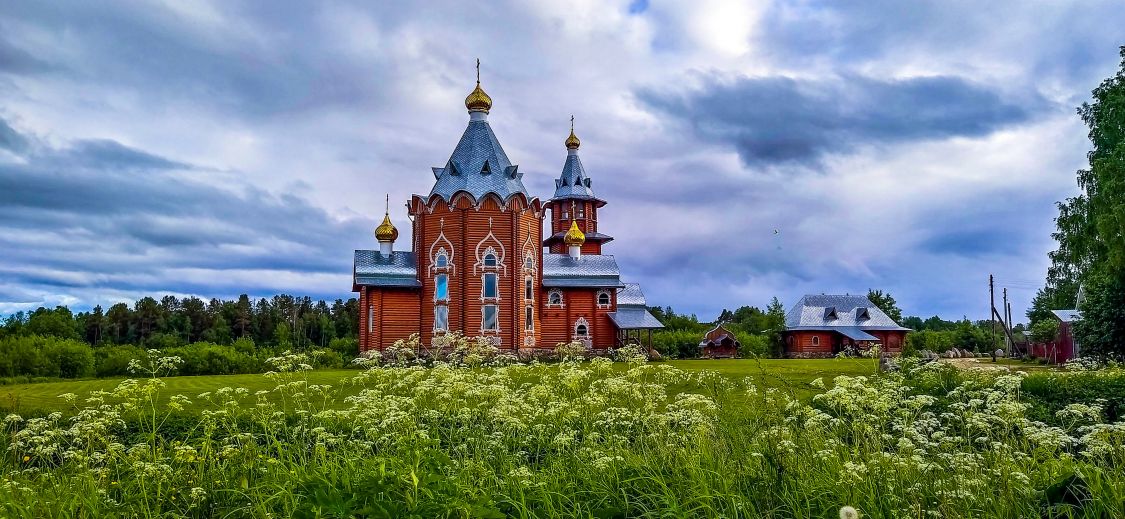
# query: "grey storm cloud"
{"points": [[772, 120], [1052, 39], [10, 139], [98, 206], [217, 148], [271, 65], [19, 61]]}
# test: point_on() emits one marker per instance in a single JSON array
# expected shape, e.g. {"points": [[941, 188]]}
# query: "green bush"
{"points": [[205, 358], [328, 359], [752, 345], [1045, 330], [1049, 392], [113, 361], [74, 359], [936, 342], [38, 356], [677, 344], [347, 347]]}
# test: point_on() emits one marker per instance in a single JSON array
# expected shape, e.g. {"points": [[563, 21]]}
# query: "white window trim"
{"points": [[484, 283], [483, 329], [529, 324], [371, 318], [581, 321], [436, 327], [562, 299], [598, 299], [816, 340]]}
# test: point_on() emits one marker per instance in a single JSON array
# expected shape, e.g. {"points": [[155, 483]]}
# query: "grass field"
{"points": [[790, 375]]}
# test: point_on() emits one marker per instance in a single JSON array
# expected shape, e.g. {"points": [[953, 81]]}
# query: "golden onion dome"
{"points": [[572, 142], [478, 101], [386, 231], [574, 236]]}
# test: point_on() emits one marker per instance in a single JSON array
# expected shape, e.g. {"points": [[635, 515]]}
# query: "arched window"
{"points": [[441, 287], [528, 288], [371, 319], [603, 298], [529, 262], [490, 285], [555, 298], [490, 260], [528, 319], [442, 260], [816, 340], [581, 330]]}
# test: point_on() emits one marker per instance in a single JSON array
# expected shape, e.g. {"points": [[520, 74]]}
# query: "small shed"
{"points": [[1064, 347], [718, 343]]}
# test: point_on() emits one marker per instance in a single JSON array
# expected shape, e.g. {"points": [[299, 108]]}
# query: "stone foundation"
{"points": [[809, 355]]}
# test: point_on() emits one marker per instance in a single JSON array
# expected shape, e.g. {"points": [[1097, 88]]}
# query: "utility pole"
{"points": [[992, 304], [1007, 322]]}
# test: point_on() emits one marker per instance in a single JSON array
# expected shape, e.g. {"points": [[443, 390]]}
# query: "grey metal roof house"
{"points": [[825, 324]]}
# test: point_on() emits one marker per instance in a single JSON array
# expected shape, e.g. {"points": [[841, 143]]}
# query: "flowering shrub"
{"points": [[570, 351], [563, 440]]}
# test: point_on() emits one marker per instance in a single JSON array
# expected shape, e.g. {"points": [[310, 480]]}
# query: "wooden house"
{"points": [[825, 325]]}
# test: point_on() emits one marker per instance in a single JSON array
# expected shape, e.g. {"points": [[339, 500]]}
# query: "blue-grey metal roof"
{"points": [[631, 295], [1067, 316], [465, 170], [633, 319], [814, 311], [590, 270], [374, 269], [573, 182], [854, 333]]}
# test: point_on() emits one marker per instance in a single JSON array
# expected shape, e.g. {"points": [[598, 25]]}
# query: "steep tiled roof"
{"points": [[373, 268], [465, 170], [573, 182], [590, 270], [816, 312]]}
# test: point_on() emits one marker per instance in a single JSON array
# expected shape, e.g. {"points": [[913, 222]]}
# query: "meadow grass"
{"points": [[598, 439], [791, 375]]}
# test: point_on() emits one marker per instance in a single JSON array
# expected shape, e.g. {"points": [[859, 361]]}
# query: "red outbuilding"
{"points": [[719, 343], [1064, 347]]}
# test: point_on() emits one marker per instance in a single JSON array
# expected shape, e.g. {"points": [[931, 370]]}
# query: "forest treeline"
{"points": [[212, 337], [283, 320], [237, 336]]}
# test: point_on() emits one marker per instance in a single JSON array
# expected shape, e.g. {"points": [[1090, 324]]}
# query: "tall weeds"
{"points": [[565, 440]]}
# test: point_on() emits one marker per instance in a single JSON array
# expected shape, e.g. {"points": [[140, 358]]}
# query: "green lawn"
{"points": [[791, 375]]}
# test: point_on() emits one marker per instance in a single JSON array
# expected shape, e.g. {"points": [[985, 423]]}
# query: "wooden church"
{"points": [[479, 263]]}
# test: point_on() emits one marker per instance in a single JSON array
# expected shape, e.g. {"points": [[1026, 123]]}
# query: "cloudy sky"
{"points": [[746, 150]]}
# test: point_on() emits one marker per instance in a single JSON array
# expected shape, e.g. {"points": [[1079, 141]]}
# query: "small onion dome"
{"points": [[572, 142], [386, 231], [574, 236], [478, 101]]}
